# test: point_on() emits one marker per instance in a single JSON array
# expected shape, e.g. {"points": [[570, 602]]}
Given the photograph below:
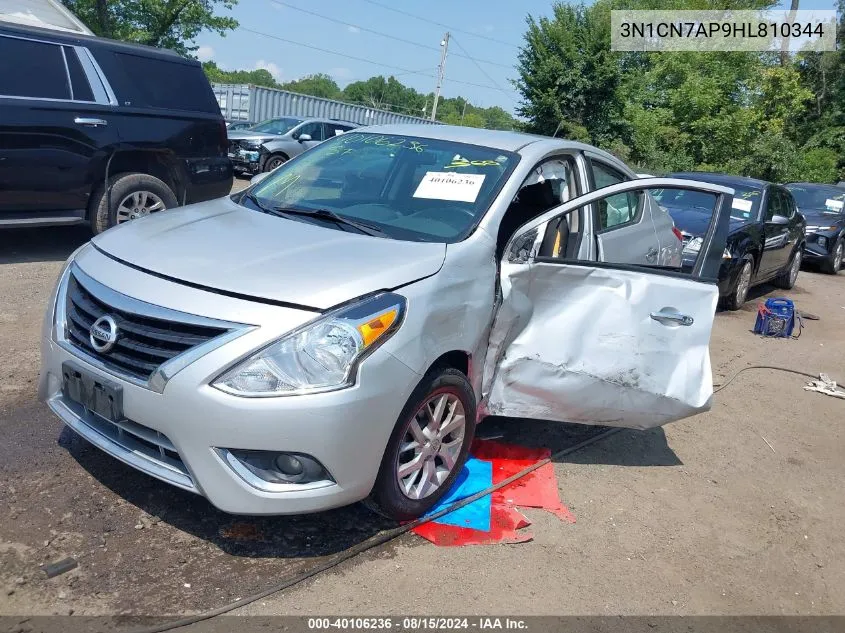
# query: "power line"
{"points": [[477, 65], [440, 24], [362, 59], [380, 33]]}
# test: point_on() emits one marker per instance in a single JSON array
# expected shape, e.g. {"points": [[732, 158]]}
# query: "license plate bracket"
{"points": [[98, 395]]}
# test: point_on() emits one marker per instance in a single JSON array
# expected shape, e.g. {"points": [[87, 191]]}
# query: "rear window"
{"points": [[148, 82]]}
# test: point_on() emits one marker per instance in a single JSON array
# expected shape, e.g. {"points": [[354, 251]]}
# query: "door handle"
{"points": [[672, 317], [651, 255], [81, 120]]}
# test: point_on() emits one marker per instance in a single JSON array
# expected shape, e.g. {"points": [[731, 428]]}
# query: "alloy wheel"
{"points": [[837, 257], [796, 266], [138, 204], [431, 445], [743, 283]]}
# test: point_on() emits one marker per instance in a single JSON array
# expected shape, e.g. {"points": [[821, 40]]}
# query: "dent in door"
{"points": [[583, 348]]}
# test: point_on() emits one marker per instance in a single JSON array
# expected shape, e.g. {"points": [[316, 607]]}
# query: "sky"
{"points": [[485, 39]]}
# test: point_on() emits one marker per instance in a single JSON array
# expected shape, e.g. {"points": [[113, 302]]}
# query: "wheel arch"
{"points": [[160, 164]]}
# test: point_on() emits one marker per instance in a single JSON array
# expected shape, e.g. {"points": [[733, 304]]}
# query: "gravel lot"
{"points": [[737, 511]]}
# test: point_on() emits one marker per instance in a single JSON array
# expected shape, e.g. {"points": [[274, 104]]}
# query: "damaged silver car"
{"points": [[336, 330]]}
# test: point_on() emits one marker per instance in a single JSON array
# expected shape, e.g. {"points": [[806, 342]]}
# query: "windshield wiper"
{"points": [[326, 214], [251, 197]]}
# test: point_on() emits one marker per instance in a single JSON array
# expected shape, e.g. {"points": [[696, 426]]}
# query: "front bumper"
{"points": [[814, 251], [173, 435]]}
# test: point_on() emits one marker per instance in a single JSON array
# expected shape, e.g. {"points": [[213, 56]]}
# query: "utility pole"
{"points": [[441, 70]]}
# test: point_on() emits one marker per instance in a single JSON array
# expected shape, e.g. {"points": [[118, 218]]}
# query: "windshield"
{"points": [[744, 208], [277, 126], [410, 188], [819, 198]]}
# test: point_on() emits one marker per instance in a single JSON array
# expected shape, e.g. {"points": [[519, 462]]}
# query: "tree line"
{"points": [[382, 93]]}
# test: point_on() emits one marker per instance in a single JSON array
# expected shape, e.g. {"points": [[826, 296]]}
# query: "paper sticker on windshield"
{"points": [[742, 205], [834, 205], [439, 185]]}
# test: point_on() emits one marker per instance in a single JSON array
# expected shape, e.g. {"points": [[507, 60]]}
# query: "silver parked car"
{"points": [[265, 146], [336, 330]]}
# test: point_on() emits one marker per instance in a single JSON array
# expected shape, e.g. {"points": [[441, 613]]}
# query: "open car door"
{"points": [[604, 342]]}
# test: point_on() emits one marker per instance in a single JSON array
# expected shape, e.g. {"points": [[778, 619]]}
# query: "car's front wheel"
{"points": [[428, 447], [736, 299], [275, 160], [834, 264], [788, 277]]}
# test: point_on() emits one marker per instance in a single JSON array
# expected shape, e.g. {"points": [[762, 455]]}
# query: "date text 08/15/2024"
{"points": [[416, 623]]}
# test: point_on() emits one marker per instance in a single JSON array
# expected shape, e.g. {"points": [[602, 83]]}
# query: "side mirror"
{"points": [[304, 137], [779, 219]]}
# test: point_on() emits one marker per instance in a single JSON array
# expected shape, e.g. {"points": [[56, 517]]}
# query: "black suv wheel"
{"points": [[132, 196]]}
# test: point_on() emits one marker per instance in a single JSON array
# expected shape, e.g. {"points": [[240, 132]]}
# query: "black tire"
{"points": [[123, 185], [832, 265], [387, 494], [788, 277], [273, 161], [739, 294]]}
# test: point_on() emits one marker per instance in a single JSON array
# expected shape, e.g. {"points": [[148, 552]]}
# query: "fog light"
{"points": [[822, 241], [273, 470]]}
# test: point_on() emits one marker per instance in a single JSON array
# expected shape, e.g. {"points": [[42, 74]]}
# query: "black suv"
{"points": [[93, 130]]}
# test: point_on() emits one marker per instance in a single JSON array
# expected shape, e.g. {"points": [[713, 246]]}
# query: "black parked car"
{"points": [[766, 238], [824, 208], [79, 113]]}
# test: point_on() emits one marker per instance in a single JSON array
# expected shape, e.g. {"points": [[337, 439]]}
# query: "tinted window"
{"points": [[745, 205], [38, 70], [151, 82], [775, 205], [415, 189], [81, 88], [336, 129]]}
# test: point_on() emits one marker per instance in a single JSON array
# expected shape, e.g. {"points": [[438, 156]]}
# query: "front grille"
{"points": [[143, 343]]}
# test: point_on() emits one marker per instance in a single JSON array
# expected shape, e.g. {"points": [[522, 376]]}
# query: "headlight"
{"points": [[321, 355], [694, 245]]}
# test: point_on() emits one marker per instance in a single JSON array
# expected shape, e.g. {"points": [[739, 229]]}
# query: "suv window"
{"points": [[336, 129], [38, 70], [151, 82], [313, 129], [620, 208], [775, 205]]}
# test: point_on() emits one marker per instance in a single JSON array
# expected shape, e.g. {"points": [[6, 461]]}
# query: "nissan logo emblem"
{"points": [[103, 334]]}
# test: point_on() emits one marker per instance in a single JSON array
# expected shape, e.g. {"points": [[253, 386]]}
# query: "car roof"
{"points": [[91, 41], [496, 139], [721, 179], [826, 185]]}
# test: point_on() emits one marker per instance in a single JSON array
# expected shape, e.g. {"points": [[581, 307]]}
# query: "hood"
{"points": [[816, 217], [224, 246], [249, 135], [695, 223]]}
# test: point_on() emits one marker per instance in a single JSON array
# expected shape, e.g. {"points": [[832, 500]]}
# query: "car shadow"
{"points": [[46, 244], [301, 536], [326, 533], [628, 447]]}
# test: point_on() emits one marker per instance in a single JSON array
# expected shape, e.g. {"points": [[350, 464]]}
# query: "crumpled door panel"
{"points": [[577, 344]]}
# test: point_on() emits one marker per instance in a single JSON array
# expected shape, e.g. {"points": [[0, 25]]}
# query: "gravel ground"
{"points": [[737, 511]]}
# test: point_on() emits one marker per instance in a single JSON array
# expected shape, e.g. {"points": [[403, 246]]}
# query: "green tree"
{"points": [[568, 76], [319, 85], [260, 77], [172, 24]]}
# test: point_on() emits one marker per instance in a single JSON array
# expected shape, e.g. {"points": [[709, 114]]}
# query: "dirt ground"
{"points": [[737, 511]]}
